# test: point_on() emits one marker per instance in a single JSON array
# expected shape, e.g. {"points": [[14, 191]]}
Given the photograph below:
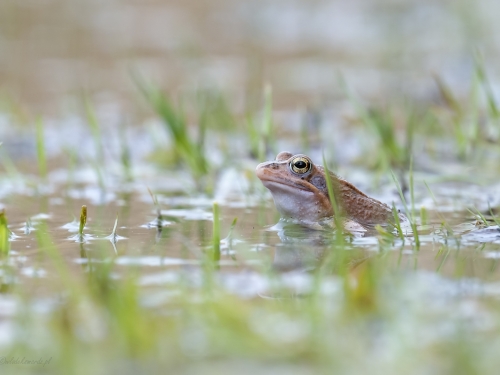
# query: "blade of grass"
{"points": [[477, 214], [125, 154], [4, 234], [412, 190], [229, 237], [112, 236], [159, 216], [447, 95], [83, 221], [216, 235], [390, 153], [397, 223], [443, 220], [410, 214], [333, 200], [191, 151], [423, 215], [494, 218], [481, 75]]}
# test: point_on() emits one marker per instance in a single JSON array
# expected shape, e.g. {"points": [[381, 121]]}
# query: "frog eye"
{"points": [[300, 165]]}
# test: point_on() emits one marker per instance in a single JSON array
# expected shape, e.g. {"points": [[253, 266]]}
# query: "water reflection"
{"points": [[304, 249], [301, 248]]}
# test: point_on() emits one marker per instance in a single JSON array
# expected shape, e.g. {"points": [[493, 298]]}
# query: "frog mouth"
{"points": [[274, 184]]}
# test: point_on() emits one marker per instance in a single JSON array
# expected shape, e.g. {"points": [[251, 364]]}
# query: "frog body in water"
{"points": [[300, 193]]}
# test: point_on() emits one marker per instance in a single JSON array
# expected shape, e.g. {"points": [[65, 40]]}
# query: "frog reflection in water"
{"points": [[300, 193]]}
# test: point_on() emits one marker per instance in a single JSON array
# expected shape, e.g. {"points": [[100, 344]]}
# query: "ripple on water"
{"points": [[189, 214], [490, 234]]}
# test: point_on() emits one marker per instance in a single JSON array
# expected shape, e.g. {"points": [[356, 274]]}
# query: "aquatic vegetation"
{"points": [[83, 220], [174, 300], [147, 283], [474, 122], [391, 152], [337, 217], [216, 234], [410, 213], [4, 234], [114, 237], [189, 150], [80, 236], [181, 294]]}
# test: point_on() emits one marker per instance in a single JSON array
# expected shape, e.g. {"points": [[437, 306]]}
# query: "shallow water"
{"points": [[293, 300], [255, 244], [454, 275]]}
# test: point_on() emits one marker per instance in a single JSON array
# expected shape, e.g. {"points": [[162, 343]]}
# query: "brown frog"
{"points": [[300, 194]]}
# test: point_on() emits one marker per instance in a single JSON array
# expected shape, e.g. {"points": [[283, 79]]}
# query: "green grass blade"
{"points": [[448, 96], [83, 220], [409, 214], [490, 97], [401, 195], [443, 220], [125, 154], [412, 190], [334, 200], [191, 151], [477, 214], [4, 234], [493, 217], [397, 222], [216, 234]]}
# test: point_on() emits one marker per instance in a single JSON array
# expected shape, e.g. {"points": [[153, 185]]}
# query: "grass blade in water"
{"points": [[4, 235], [409, 213], [83, 221], [216, 234], [333, 200], [112, 237], [174, 120]]}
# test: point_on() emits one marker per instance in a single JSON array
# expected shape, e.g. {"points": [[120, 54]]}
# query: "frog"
{"points": [[300, 192]]}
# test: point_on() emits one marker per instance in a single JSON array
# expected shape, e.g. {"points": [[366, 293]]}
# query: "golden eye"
{"points": [[300, 165]]}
